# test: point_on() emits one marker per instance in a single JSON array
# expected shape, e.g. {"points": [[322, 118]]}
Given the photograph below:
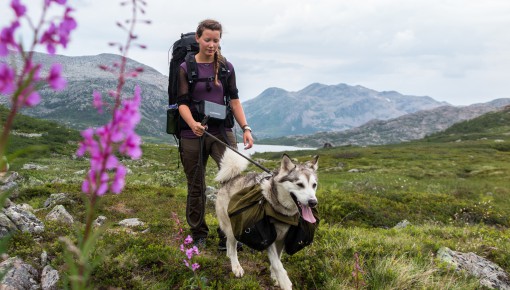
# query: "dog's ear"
{"points": [[287, 164], [314, 163]]}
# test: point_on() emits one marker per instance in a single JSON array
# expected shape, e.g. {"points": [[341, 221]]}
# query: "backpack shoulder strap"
{"points": [[192, 67], [224, 74]]}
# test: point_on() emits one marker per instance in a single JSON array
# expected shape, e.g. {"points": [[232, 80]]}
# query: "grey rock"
{"points": [[56, 198], [24, 220], [132, 222], [6, 225], [8, 186], [100, 220], [8, 203], [490, 274], [49, 278], [402, 224], [18, 275], [210, 193], [26, 207], [44, 258], [9, 177], [60, 214], [32, 166]]}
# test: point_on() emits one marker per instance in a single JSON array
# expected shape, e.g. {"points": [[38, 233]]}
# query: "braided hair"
{"points": [[215, 26]]}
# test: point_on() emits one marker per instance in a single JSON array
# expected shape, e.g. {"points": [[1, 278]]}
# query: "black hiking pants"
{"points": [[194, 156]]}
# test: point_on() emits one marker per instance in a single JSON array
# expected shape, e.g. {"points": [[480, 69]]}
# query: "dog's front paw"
{"points": [[286, 285], [238, 271]]}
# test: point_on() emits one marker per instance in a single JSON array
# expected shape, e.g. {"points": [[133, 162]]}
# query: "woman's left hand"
{"points": [[247, 139]]}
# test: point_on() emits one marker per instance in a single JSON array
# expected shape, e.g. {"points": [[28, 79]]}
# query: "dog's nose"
{"points": [[312, 202]]}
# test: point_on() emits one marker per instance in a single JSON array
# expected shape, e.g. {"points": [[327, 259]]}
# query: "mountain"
{"points": [[319, 107], [73, 106], [494, 126], [405, 128], [274, 113]]}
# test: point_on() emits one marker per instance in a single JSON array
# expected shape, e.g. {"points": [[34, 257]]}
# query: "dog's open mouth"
{"points": [[306, 211]]}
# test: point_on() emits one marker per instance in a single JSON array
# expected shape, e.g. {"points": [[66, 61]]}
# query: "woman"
{"points": [[196, 147]]}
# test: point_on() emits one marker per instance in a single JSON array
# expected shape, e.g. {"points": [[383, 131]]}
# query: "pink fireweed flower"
{"points": [[66, 26], [55, 79], [97, 101], [28, 97], [7, 38], [49, 38], [119, 180], [189, 253], [131, 146], [100, 143], [18, 8], [88, 139], [188, 240], [48, 2], [32, 99], [6, 79], [195, 267]]}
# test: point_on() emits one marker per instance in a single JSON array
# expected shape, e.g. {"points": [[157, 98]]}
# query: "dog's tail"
{"points": [[231, 165]]}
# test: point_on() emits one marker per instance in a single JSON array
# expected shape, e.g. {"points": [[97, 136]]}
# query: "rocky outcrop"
{"points": [[49, 278], [490, 274], [23, 219], [18, 275], [60, 214]]}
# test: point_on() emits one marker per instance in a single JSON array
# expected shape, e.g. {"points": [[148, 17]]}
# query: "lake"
{"points": [[259, 148]]}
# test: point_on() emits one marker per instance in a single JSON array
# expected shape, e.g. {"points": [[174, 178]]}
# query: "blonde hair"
{"points": [[215, 26]]}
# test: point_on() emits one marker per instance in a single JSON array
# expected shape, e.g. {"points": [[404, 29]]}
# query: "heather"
{"points": [[454, 194], [450, 188]]}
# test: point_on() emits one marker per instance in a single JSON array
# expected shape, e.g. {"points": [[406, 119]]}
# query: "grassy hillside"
{"points": [[491, 125], [454, 194], [47, 137]]}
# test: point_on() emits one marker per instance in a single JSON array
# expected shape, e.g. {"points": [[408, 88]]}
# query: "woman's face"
{"points": [[209, 42]]}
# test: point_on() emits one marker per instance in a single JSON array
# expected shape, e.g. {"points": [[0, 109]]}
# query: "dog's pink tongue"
{"points": [[306, 211]]}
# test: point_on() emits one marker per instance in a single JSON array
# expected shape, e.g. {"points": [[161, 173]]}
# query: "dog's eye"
{"points": [[314, 185], [300, 185]]}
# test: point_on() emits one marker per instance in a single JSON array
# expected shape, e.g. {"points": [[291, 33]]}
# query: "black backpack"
{"points": [[184, 50], [183, 47]]}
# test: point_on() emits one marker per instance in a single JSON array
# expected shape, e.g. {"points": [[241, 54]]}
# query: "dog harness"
{"points": [[250, 216]]}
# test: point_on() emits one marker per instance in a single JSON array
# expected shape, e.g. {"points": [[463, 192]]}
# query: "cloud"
{"points": [[455, 51]]}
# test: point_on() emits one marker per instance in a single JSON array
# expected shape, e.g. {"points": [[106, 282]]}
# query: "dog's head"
{"points": [[300, 181]]}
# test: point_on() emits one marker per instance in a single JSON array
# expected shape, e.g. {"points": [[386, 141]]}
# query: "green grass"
{"points": [[455, 194]]}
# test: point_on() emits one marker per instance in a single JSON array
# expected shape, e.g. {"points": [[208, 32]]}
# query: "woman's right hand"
{"points": [[197, 128]]}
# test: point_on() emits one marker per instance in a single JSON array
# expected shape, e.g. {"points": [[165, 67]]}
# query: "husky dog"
{"points": [[287, 188]]}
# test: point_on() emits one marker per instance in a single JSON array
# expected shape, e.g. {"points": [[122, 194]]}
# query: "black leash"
{"points": [[204, 122]]}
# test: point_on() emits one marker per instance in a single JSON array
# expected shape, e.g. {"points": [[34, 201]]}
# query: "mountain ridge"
{"points": [[273, 113]]}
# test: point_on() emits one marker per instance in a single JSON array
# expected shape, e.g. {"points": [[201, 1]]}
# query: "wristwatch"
{"points": [[246, 127]]}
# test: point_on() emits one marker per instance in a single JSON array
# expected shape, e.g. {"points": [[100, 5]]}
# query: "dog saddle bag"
{"points": [[251, 218], [301, 235], [250, 224]]}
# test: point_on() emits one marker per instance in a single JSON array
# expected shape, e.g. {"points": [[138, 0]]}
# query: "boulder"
{"points": [[60, 214], [6, 225], [132, 222], [402, 224], [49, 278], [24, 220], [18, 275], [56, 198], [490, 274], [99, 221]]}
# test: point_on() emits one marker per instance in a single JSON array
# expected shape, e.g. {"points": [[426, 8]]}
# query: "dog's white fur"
{"points": [[300, 180]]}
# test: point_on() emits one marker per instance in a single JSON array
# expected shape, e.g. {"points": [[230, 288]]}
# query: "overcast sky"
{"points": [[457, 51]]}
